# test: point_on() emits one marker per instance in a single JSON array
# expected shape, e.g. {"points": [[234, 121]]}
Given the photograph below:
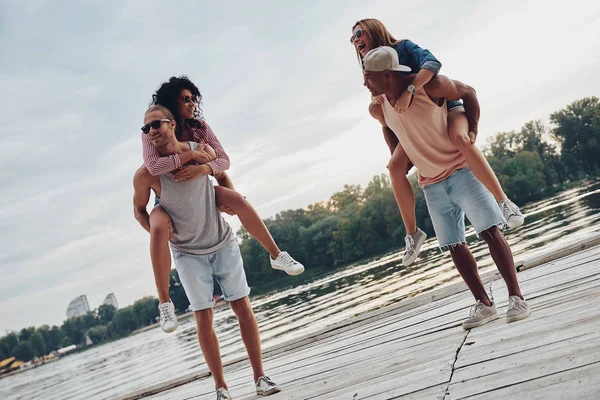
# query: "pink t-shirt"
{"points": [[158, 165], [422, 130]]}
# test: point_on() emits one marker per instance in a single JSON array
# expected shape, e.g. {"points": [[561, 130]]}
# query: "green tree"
{"points": [[74, 328], [577, 127], [527, 181], [66, 341], [145, 311], [38, 344], [26, 333], [23, 351], [97, 333], [124, 321], [106, 312], [8, 343]]}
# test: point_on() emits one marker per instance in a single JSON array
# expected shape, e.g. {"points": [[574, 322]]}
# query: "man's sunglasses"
{"points": [[190, 99], [356, 35], [154, 125]]}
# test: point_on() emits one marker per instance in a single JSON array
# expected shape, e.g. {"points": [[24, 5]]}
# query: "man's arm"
{"points": [[141, 196], [446, 88], [390, 137]]}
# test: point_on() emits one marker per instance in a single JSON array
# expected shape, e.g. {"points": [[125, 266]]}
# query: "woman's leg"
{"points": [[405, 198], [458, 131], [403, 192], [248, 217], [161, 230]]}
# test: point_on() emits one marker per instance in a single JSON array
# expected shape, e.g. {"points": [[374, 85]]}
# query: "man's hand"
{"points": [[223, 208], [403, 102], [189, 172]]}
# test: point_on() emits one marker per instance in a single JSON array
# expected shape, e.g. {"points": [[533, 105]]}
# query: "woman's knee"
{"points": [[399, 163], [160, 220], [229, 198], [458, 130]]}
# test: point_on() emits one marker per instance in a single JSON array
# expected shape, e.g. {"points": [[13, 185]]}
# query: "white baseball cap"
{"points": [[383, 58]]}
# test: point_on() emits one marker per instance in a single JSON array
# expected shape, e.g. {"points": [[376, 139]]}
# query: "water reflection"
{"points": [[151, 357]]}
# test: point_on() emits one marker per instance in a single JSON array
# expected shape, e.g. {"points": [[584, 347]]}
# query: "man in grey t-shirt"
{"points": [[203, 247]]}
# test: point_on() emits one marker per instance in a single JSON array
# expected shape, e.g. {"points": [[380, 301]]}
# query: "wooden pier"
{"points": [[417, 349]]}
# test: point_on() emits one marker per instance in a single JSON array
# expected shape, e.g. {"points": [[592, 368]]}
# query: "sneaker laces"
{"points": [[410, 244], [266, 379], [474, 308], [221, 395], [286, 258], [165, 315], [515, 303], [509, 207]]}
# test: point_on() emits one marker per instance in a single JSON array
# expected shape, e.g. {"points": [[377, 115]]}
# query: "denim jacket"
{"points": [[415, 57]]}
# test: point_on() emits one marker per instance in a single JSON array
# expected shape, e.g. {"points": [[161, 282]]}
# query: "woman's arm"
{"points": [[157, 165], [206, 135]]}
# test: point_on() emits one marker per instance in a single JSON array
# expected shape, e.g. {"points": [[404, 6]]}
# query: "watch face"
{"points": [[411, 88]]}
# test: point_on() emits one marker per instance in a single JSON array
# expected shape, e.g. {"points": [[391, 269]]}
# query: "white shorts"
{"points": [[196, 275]]}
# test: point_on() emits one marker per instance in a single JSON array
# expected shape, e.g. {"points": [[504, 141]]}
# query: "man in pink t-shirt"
{"points": [[451, 190]]}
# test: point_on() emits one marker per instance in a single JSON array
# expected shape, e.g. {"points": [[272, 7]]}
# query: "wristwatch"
{"points": [[411, 89]]}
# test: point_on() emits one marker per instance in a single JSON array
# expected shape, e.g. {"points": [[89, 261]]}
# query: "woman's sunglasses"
{"points": [[190, 99], [154, 125], [356, 35]]}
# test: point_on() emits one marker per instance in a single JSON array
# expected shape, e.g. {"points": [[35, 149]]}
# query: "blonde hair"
{"points": [[379, 34], [166, 112]]}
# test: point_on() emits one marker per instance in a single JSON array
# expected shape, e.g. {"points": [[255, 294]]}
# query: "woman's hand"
{"points": [[403, 102], [377, 99], [202, 156], [189, 173]]}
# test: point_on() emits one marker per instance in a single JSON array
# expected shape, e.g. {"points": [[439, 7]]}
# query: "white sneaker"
{"points": [[480, 315], [168, 319], [413, 246], [285, 262], [518, 309], [223, 394], [513, 216], [266, 387]]}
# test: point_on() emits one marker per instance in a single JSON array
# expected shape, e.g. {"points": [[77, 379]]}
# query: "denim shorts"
{"points": [[451, 105], [196, 274], [449, 200]]}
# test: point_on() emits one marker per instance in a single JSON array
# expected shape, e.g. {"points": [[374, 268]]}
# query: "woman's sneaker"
{"points": [[168, 319], [413, 246], [266, 387], [480, 315], [285, 262], [511, 213], [518, 309], [223, 394]]}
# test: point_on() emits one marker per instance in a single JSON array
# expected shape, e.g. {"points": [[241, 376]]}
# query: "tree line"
{"points": [[533, 162]]}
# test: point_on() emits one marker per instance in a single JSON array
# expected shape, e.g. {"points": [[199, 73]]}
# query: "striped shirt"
{"points": [[158, 165]]}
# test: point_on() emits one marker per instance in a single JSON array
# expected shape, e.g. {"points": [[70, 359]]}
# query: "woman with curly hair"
{"points": [[182, 98], [368, 34]]}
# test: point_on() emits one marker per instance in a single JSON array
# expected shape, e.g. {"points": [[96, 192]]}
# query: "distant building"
{"points": [[111, 299], [78, 307]]}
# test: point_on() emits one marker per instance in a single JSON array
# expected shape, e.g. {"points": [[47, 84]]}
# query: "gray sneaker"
{"points": [[480, 315], [518, 309], [513, 216], [413, 246], [266, 387], [223, 394]]}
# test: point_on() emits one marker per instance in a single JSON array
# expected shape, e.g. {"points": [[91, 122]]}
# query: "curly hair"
{"points": [[167, 94], [378, 32]]}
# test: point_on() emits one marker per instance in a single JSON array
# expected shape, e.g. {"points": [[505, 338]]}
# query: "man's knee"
{"points": [[241, 307], [492, 234], [204, 317]]}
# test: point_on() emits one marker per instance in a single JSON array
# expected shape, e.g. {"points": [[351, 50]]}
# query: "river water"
{"points": [[115, 369]]}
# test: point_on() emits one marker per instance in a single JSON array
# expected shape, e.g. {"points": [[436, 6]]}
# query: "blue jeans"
{"points": [[449, 200]]}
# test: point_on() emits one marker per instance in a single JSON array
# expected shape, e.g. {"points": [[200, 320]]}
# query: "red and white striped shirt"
{"points": [[158, 165]]}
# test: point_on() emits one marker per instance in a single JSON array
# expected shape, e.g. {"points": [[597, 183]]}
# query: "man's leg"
{"points": [[250, 334], [502, 256], [467, 268], [210, 346]]}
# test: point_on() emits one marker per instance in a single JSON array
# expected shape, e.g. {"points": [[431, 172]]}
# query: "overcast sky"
{"points": [[282, 90]]}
